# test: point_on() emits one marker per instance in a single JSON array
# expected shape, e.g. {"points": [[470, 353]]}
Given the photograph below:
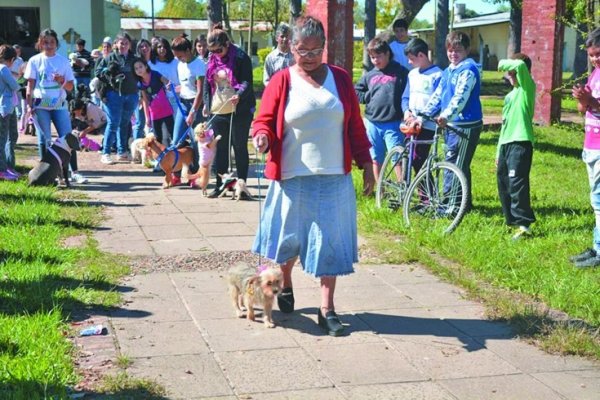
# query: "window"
{"points": [[20, 26]]}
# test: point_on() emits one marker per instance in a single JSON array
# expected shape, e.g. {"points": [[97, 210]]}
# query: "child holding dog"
{"points": [[8, 119], [310, 122], [49, 77]]}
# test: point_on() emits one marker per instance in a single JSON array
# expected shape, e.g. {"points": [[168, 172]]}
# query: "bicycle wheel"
{"points": [[391, 185], [437, 198]]}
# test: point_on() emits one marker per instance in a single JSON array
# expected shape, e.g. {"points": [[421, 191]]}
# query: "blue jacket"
{"points": [[8, 86], [457, 96]]}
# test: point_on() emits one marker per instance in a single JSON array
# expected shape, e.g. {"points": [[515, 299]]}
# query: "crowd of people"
{"points": [[309, 123]]}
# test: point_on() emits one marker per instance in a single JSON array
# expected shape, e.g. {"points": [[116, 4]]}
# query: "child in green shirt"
{"points": [[515, 146]]}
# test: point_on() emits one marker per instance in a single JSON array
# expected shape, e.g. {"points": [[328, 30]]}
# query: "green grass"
{"points": [[42, 284], [482, 249]]}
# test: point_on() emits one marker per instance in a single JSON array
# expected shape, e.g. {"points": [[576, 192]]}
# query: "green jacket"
{"points": [[519, 104]]}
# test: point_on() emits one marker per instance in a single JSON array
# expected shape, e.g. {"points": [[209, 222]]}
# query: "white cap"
{"points": [[107, 40]]}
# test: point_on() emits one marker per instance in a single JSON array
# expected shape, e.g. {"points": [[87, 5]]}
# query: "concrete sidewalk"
{"points": [[410, 336]]}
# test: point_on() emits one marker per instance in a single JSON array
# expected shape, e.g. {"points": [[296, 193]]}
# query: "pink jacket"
{"points": [[270, 121]]}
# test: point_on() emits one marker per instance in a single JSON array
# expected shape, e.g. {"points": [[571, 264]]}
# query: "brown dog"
{"points": [[168, 164]]}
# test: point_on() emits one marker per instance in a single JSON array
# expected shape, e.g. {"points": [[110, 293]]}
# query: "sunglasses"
{"points": [[218, 50], [309, 53]]}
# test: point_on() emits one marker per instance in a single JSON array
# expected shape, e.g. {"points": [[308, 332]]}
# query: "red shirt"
{"points": [[270, 121]]}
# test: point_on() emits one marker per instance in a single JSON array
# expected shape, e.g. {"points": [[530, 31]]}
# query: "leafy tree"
{"points": [[183, 9], [129, 10]]}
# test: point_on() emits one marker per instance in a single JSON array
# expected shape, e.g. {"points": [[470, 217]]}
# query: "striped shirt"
{"points": [[275, 61]]}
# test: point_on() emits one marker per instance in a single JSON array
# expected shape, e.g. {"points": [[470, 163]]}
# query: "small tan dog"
{"points": [[207, 149], [249, 286], [138, 151], [168, 162]]}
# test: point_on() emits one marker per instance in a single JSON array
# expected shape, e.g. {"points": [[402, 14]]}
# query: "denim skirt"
{"points": [[313, 217]]}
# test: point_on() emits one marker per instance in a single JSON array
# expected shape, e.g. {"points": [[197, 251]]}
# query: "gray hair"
{"points": [[308, 27], [283, 29]]}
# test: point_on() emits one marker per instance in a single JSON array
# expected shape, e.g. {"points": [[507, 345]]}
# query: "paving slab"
{"points": [[379, 364], [397, 391], [580, 385], [152, 338], [184, 376], [287, 370], [504, 387]]}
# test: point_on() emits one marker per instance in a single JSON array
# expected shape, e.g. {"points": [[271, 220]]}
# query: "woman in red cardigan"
{"points": [[309, 122]]}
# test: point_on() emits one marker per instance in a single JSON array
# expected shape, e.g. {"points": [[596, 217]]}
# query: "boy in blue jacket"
{"points": [[456, 100]]}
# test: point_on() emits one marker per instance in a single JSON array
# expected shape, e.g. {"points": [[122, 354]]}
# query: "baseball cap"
{"points": [[107, 40]]}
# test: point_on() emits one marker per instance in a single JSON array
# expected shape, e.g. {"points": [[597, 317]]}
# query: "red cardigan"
{"points": [[270, 121]]}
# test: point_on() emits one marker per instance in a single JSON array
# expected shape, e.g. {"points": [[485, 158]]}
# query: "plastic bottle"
{"points": [[92, 330]]}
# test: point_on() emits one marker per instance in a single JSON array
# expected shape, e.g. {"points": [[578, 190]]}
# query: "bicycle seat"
{"points": [[413, 130]]}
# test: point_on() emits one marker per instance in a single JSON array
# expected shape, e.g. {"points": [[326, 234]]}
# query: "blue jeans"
{"points": [[181, 127], [140, 123], [383, 136], [119, 110], [62, 122], [6, 125], [13, 136], [591, 158]]}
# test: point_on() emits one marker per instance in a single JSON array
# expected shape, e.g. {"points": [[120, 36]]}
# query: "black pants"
{"points": [[514, 165], [460, 151], [163, 130], [240, 131], [422, 150]]}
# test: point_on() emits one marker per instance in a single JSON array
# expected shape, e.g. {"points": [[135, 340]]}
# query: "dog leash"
{"points": [[260, 170]]}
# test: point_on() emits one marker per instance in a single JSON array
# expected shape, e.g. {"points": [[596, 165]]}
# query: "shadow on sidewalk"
{"points": [[472, 333]]}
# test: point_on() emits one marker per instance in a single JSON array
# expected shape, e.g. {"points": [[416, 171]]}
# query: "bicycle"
{"points": [[436, 197]]}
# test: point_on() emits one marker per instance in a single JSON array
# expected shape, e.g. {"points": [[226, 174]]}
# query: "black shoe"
{"points": [[244, 196], [331, 323], [587, 253], [285, 300], [215, 193], [591, 262]]}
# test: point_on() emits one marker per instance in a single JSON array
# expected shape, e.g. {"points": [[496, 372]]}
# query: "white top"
{"points": [[166, 69], [51, 94], [17, 67], [189, 73], [313, 140], [399, 56], [421, 85]]}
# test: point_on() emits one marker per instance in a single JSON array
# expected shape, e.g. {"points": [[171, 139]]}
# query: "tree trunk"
{"points": [[370, 16], [514, 31], [410, 9], [295, 11], [214, 11], [580, 64], [442, 19], [250, 28]]}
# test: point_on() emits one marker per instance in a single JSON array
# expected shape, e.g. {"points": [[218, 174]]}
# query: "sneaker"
{"points": [[106, 159], [175, 180], [591, 262], [522, 233], [13, 172], [78, 178], [5, 176], [124, 157], [587, 253]]}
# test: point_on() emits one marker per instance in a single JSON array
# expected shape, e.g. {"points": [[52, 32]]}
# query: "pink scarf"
{"points": [[216, 63]]}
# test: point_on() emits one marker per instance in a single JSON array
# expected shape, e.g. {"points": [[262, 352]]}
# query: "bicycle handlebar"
{"points": [[449, 125]]}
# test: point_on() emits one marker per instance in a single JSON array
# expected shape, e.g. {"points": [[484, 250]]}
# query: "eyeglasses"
{"points": [[218, 50], [309, 53]]}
